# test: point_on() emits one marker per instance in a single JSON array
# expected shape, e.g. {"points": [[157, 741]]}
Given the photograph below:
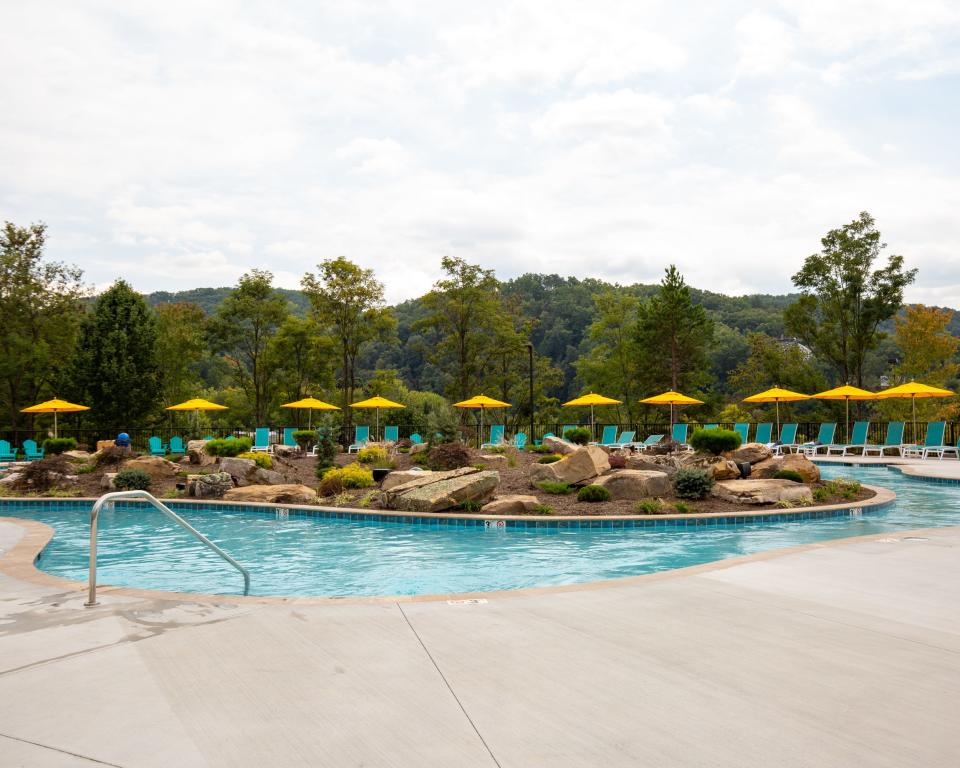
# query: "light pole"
{"points": [[530, 351]]}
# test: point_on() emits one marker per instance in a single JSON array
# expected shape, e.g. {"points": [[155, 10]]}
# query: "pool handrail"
{"points": [[109, 498]]}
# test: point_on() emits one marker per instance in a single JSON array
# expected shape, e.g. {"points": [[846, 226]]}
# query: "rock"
{"points": [[238, 469], [668, 464], [797, 462], [586, 462], [10, 479], [154, 466], [510, 505], [78, 456], [495, 460], [635, 484], [762, 491], [417, 448], [444, 494], [273, 494], [211, 486], [752, 452], [389, 495], [287, 451], [720, 467], [559, 445], [197, 455], [399, 477], [102, 444], [108, 481]]}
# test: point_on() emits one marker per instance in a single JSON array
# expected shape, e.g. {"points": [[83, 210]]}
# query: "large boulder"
{"points": [[797, 462], [211, 486], [493, 460], [650, 463], [559, 445], [585, 463], [752, 492], [273, 494], [287, 451], [635, 484], [510, 505], [751, 452], [197, 455], [246, 472], [157, 468], [720, 467], [418, 479], [399, 477], [78, 456], [438, 491], [108, 482], [418, 448]]}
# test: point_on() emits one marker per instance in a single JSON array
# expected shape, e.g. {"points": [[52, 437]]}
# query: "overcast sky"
{"points": [[177, 144]]}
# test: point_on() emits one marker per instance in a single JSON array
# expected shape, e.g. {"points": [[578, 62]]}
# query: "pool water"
{"points": [[322, 557]]}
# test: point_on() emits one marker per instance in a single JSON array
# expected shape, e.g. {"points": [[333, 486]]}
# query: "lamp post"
{"points": [[530, 351]]}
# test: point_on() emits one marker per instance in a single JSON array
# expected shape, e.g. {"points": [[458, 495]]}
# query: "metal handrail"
{"points": [[109, 498]]}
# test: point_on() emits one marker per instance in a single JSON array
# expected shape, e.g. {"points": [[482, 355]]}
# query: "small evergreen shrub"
{"points": [[549, 486], [715, 441], [372, 455], [222, 447], [648, 507], [326, 450], [449, 456], [470, 507], [682, 508], [262, 460], [132, 480], [692, 483], [578, 435], [549, 459], [539, 449], [543, 509], [304, 438], [421, 458], [593, 493], [54, 446], [788, 474], [336, 480]]}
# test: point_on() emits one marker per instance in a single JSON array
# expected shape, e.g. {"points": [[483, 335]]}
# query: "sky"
{"points": [[179, 144]]}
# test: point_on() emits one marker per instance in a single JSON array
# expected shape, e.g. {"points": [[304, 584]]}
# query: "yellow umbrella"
{"points": [[671, 398], [592, 400], [196, 405], [311, 404], [55, 406], [482, 402], [776, 395], [378, 403], [846, 393], [913, 390]]}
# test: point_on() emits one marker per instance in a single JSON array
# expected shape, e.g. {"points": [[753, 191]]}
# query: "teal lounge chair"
{"points": [[679, 435], [416, 439], [625, 440], [6, 453], [176, 445], [650, 441], [742, 429], [157, 448], [823, 441], [609, 436], [261, 441], [361, 436], [858, 439], [892, 442], [932, 444], [764, 433], [288, 440], [788, 440], [496, 436], [710, 426], [391, 434], [30, 452], [520, 441]]}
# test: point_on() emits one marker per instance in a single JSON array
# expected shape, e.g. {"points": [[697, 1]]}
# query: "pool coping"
{"points": [[19, 562]]}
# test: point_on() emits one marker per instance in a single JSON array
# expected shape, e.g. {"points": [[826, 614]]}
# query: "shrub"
{"points": [[501, 449], [715, 441], [373, 455], [543, 509], [788, 474], [593, 493], [263, 460], [549, 459], [53, 446], [335, 480], [648, 507], [470, 506], [304, 438], [820, 494], [578, 435], [617, 461], [449, 456], [682, 508], [173, 458], [692, 483], [421, 458], [539, 449], [841, 486], [223, 447], [326, 450], [42, 475], [132, 480], [549, 486]]}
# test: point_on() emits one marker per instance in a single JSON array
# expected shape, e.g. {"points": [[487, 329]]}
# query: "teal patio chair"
{"points": [[520, 441], [742, 429], [261, 441], [764, 433], [176, 445], [391, 434], [892, 442], [649, 442], [416, 439], [288, 440], [30, 451], [6, 453], [788, 440], [858, 439], [933, 443], [157, 448], [496, 436], [609, 436], [824, 439], [624, 441], [361, 436], [710, 426]]}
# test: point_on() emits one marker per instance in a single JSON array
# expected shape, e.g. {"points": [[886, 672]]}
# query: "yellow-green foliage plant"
{"points": [[263, 460], [372, 455], [351, 476]]}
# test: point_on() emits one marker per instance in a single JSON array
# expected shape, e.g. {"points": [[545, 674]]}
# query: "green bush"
{"points": [[682, 508], [305, 438], [692, 483], [820, 494], [373, 455], [543, 509], [335, 480], [578, 435], [548, 486], [420, 458], [132, 480], [222, 447], [648, 507], [715, 441], [56, 445], [593, 493], [549, 459], [788, 474], [539, 448], [449, 456], [326, 450], [263, 460]]}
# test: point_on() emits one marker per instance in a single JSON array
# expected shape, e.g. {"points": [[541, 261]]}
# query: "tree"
{"points": [[40, 312], [242, 330], [775, 363], [844, 300], [673, 335], [347, 300], [181, 345], [116, 371], [300, 353]]}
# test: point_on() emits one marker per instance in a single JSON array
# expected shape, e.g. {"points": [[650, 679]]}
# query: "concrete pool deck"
{"points": [[840, 654]]}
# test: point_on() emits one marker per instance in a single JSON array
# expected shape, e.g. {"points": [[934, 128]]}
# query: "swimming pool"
{"points": [[302, 556]]}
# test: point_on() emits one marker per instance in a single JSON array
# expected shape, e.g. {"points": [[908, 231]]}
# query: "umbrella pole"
{"points": [[480, 433], [593, 428], [309, 418], [54, 425], [376, 434], [913, 402], [778, 419], [848, 419]]}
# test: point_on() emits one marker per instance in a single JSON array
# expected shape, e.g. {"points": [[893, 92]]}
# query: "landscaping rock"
{"points": [[238, 469], [10, 479], [154, 466], [273, 494], [417, 448], [797, 462], [211, 486], [668, 464], [752, 492], [559, 445], [388, 496], [287, 451], [399, 477], [752, 452], [586, 462], [510, 505], [721, 468], [197, 455], [108, 481], [101, 444], [635, 484], [494, 460], [78, 456], [444, 494]]}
